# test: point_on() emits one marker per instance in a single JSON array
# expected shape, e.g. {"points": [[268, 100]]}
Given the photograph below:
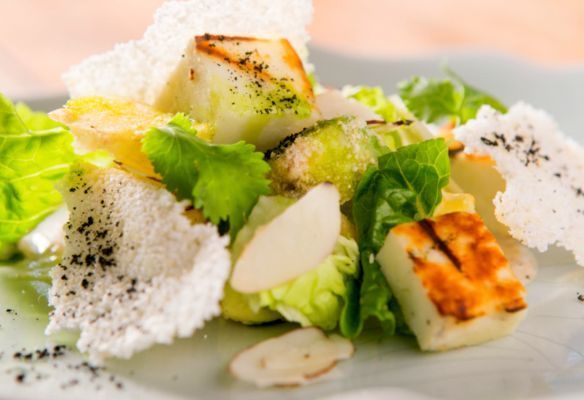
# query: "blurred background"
{"points": [[39, 39]]}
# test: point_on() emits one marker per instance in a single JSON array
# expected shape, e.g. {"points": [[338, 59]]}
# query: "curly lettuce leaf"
{"points": [[224, 180], [35, 153], [406, 186], [433, 100], [374, 98], [317, 297], [400, 128]]}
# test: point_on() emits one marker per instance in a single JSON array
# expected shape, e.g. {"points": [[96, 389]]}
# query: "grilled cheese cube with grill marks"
{"points": [[452, 281], [250, 89]]}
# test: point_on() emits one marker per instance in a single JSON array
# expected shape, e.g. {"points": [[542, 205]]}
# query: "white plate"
{"points": [[544, 358]]}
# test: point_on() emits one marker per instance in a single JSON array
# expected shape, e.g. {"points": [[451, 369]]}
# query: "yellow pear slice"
{"points": [[112, 124], [292, 244], [294, 358]]}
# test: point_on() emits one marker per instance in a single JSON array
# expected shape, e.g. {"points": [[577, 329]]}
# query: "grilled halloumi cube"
{"points": [[452, 281], [250, 89]]}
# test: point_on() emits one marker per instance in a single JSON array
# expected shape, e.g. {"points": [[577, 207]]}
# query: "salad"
{"points": [[204, 172]]}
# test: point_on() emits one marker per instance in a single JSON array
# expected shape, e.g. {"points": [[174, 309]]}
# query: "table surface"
{"points": [[39, 39]]}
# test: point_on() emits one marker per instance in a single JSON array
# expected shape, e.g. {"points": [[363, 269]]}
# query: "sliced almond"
{"points": [[292, 244], [294, 358]]}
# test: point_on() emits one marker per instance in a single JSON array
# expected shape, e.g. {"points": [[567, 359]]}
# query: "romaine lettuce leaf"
{"points": [[224, 180], [433, 100], [406, 186], [35, 153]]}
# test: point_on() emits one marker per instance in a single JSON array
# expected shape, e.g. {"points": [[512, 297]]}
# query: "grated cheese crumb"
{"points": [[543, 202], [139, 69], [135, 271]]}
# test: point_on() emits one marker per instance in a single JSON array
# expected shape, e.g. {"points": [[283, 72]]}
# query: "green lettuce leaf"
{"points": [[406, 186], [374, 98], [400, 128], [317, 297], [433, 100], [224, 180], [35, 153]]}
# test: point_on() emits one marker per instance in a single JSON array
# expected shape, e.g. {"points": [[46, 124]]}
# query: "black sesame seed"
{"points": [[489, 142]]}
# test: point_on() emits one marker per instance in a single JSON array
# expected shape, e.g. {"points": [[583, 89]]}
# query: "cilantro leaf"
{"points": [[433, 100], [224, 180], [474, 99], [170, 149], [406, 186], [35, 153]]}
